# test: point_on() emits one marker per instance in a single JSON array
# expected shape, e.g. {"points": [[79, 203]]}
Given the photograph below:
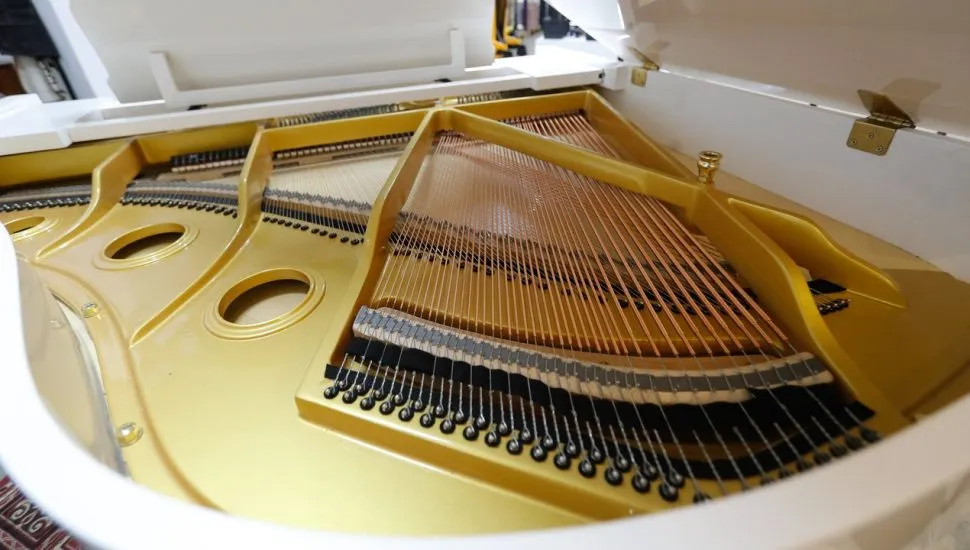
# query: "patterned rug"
{"points": [[24, 527]]}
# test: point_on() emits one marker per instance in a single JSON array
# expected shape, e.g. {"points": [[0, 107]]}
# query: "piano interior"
{"points": [[485, 315]]}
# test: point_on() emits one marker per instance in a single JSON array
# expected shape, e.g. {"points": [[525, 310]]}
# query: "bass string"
{"points": [[548, 183], [585, 208], [396, 274], [369, 193]]}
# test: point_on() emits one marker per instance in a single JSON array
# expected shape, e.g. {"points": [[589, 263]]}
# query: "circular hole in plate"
{"points": [[144, 242], [23, 224], [264, 297]]}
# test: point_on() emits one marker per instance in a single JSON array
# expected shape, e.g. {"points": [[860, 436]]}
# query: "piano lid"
{"points": [[915, 52], [194, 52]]}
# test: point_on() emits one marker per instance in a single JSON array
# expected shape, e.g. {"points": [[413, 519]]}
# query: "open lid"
{"points": [[192, 52], [917, 53]]}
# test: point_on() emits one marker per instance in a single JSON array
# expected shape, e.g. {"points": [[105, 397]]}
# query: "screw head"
{"points": [[871, 135], [852, 141], [879, 148], [129, 434], [90, 309]]}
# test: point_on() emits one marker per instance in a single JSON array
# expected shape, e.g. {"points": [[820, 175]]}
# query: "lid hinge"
{"points": [[875, 133], [638, 76]]}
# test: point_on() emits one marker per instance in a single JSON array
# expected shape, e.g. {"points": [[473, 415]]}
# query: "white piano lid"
{"points": [[916, 52], [245, 50]]}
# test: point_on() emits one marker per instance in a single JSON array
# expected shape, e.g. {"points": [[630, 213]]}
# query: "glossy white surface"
{"points": [[163, 71], [39, 126], [78, 60], [27, 124], [914, 51], [220, 43], [915, 197]]}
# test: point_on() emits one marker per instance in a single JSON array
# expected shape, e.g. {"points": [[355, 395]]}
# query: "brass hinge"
{"points": [[638, 76], [875, 133]]}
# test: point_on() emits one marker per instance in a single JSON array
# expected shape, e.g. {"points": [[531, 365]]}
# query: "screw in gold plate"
{"points": [[128, 434]]}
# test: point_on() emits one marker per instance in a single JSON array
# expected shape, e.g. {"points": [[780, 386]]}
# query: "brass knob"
{"points": [[707, 164]]}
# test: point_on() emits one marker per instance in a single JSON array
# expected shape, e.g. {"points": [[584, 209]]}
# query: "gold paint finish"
{"points": [[28, 226], [109, 259], [623, 174], [108, 183], [55, 221], [383, 216], [952, 389], [809, 247], [167, 279], [173, 367], [295, 462], [216, 322], [765, 266], [159, 148], [251, 185], [43, 166]]}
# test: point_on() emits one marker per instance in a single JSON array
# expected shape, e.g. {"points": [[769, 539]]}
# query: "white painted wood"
{"points": [[14, 104], [222, 44], [120, 110], [176, 97], [81, 65], [916, 197], [821, 52], [129, 126], [880, 498], [617, 77], [554, 69], [87, 120], [25, 125], [557, 68]]}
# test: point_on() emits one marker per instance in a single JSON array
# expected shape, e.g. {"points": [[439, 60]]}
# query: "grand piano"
{"points": [[313, 273]]}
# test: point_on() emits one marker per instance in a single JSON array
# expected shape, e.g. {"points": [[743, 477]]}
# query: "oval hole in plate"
{"points": [[23, 224], [263, 301], [144, 242]]}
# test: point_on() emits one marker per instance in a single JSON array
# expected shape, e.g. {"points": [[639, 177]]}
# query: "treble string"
{"points": [[707, 295], [664, 214]]}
